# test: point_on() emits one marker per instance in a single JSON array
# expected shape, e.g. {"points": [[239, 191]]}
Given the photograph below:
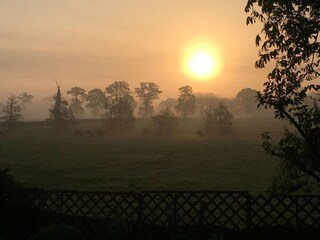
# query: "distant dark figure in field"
{"points": [[78, 132], [88, 133], [200, 134], [3, 134]]}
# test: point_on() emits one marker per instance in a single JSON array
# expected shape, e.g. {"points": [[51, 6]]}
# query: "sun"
{"points": [[201, 62]]}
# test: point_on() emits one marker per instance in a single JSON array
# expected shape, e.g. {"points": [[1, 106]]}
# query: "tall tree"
{"points": [[147, 92], [60, 114], [247, 98], [96, 100], [217, 118], [120, 105], [78, 97], [25, 99], [290, 39], [186, 101], [11, 111]]}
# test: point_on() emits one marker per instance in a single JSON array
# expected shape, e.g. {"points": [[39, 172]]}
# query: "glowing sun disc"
{"points": [[201, 64]]}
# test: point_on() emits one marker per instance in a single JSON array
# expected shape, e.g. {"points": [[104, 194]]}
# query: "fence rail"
{"points": [[171, 215]]}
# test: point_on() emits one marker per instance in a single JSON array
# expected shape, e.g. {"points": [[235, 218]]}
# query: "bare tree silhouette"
{"points": [[60, 113]]}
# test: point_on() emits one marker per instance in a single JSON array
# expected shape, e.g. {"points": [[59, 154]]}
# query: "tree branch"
{"points": [[294, 122]]}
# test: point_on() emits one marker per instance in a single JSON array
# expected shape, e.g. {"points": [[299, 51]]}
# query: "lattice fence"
{"points": [[166, 215], [171, 215]]}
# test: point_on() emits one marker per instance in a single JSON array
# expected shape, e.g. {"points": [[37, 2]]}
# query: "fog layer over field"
{"points": [[141, 159]]}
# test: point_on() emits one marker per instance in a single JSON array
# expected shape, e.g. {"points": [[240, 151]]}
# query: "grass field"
{"points": [[140, 161]]}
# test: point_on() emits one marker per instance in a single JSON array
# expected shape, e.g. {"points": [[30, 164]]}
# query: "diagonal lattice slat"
{"points": [[274, 211], [309, 211], [172, 214]]}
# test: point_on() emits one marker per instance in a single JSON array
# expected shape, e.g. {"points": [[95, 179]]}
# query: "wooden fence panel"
{"points": [[308, 209], [273, 211], [172, 215], [191, 215]]}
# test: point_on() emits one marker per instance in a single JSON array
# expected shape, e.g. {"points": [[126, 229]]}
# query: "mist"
{"points": [[159, 120]]}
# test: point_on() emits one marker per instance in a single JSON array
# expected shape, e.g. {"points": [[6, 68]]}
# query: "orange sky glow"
{"points": [[90, 44]]}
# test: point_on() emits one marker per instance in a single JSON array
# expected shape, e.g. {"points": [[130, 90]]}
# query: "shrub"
{"points": [[165, 121], [218, 118], [18, 218], [7, 182], [58, 232]]}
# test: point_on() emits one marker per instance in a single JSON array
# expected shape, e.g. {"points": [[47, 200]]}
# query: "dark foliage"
{"points": [[147, 92], [290, 40], [247, 98], [219, 118], [96, 100], [120, 106], [165, 121], [186, 101], [11, 111], [58, 232], [60, 113], [18, 219], [78, 97]]}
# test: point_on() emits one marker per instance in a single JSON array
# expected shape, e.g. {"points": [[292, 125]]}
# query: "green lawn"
{"points": [[137, 161]]}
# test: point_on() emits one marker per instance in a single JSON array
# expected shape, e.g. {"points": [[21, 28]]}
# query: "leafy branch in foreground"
{"points": [[290, 40]]}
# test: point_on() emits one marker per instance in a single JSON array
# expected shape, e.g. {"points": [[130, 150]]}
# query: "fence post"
{"points": [[140, 213], [248, 211], [297, 210], [202, 213], [175, 213], [62, 203], [42, 206]]}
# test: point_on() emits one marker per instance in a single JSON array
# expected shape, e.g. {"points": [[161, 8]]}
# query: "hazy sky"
{"points": [[93, 43]]}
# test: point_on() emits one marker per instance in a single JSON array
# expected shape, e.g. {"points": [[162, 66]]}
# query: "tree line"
{"points": [[116, 105]]}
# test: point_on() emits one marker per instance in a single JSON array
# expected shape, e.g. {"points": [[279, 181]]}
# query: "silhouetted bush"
{"points": [[217, 119], [58, 232], [18, 218], [7, 183], [165, 121]]}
